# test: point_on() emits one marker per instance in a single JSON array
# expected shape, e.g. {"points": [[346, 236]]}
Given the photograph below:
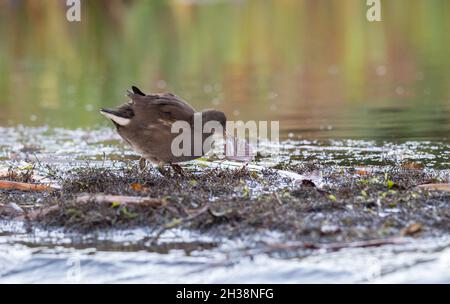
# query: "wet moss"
{"points": [[353, 205]]}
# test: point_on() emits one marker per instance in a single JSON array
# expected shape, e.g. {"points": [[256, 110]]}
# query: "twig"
{"points": [[9, 185], [130, 200], [334, 246], [439, 187], [102, 199], [277, 197]]}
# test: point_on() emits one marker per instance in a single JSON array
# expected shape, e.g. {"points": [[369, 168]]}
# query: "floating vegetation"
{"points": [[316, 201]]}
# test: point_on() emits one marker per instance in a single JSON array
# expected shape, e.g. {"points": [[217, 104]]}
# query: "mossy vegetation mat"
{"points": [[352, 205]]}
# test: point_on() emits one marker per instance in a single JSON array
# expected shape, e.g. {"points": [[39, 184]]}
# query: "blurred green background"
{"points": [[318, 66]]}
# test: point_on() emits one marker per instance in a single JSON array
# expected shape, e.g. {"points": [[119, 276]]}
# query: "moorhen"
{"points": [[145, 123]]}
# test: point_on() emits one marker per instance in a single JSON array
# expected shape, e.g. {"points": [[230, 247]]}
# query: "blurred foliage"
{"points": [[306, 62]]}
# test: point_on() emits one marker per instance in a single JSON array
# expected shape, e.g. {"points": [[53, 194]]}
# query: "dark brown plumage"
{"points": [[145, 123]]}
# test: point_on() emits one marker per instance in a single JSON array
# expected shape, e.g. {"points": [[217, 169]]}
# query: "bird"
{"points": [[145, 123]]}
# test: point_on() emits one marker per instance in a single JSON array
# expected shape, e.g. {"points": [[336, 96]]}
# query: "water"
{"points": [[318, 67], [347, 93], [122, 257]]}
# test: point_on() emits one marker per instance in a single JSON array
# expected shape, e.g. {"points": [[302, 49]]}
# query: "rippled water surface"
{"points": [[122, 257], [347, 93]]}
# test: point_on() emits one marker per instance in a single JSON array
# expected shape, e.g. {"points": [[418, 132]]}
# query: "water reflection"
{"points": [[318, 66]]}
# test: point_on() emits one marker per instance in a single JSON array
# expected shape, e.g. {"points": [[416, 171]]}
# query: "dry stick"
{"points": [[103, 199], [131, 200], [277, 197], [9, 185], [439, 187], [178, 222], [334, 246]]}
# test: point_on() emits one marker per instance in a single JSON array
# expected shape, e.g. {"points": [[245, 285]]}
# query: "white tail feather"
{"points": [[117, 119]]}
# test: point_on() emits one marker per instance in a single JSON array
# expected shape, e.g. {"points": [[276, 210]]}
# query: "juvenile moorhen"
{"points": [[145, 123]]}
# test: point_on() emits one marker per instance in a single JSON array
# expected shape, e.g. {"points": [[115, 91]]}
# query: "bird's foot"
{"points": [[164, 171]]}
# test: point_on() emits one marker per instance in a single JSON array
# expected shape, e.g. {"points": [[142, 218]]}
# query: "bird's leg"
{"points": [[142, 165], [162, 170], [177, 169]]}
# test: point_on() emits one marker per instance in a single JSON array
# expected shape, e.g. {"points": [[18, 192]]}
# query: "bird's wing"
{"points": [[165, 106], [174, 108]]}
